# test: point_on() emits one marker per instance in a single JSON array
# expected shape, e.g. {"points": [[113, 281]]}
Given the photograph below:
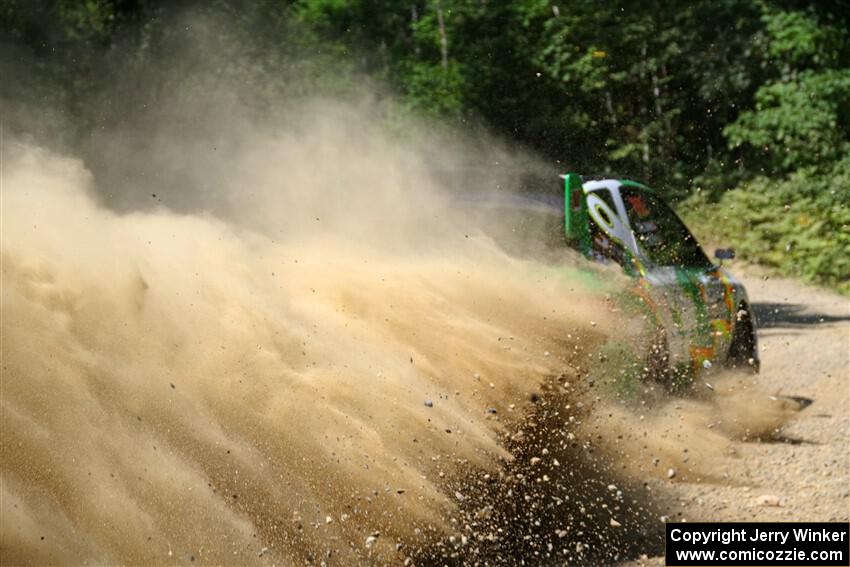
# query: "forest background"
{"points": [[738, 111]]}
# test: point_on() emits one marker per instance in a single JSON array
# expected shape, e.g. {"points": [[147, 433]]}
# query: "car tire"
{"points": [[742, 350]]}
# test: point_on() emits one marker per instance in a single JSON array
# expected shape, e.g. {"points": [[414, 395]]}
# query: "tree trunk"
{"points": [[444, 44]]}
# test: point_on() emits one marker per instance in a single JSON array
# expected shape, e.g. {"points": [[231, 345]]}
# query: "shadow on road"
{"points": [[771, 315]]}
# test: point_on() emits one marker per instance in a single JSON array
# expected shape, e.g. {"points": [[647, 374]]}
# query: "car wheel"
{"points": [[742, 352]]}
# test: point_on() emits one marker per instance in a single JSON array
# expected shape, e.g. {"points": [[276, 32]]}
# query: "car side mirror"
{"points": [[724, 254]]}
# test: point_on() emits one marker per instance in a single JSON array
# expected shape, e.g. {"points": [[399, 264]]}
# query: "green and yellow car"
{"points": [[701, 312]]}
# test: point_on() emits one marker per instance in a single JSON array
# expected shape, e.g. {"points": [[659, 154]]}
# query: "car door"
{"points": [[682, 277]]}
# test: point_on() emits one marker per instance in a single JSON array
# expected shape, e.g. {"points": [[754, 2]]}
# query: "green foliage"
{"points": [[434, 90], [715, 94], [92, 19], [613, 87], [799, 226], [791, 207], [798, 39], [798, 123], [800, 119]]}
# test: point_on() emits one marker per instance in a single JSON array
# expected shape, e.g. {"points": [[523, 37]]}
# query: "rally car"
{"points": [[699, 313]]}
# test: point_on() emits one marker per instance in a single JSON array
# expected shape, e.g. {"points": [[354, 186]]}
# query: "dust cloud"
{"points": [[691, 438], [294, 349], [276, 338]]}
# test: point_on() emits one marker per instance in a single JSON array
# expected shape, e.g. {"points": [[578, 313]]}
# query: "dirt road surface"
{"points": [[803, 475]]}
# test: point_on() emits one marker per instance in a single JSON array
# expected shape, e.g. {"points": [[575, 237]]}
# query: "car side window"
{"points": [[661, 236]]}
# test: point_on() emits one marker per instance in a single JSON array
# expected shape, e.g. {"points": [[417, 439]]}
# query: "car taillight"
{"points": [[575, 200]]}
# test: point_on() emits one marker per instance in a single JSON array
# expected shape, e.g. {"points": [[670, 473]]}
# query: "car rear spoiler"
{"points": [[575, 211]]}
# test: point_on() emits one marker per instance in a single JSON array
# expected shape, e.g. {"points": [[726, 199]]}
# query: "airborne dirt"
{"points": [[350, 387], [275, 366]]}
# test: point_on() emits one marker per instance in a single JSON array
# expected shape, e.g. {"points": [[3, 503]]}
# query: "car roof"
{"points": [[609, 177]]}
